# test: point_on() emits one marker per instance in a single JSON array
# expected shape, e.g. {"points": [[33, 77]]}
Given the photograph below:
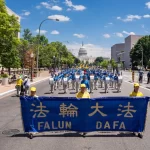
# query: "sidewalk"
{"points": [[128, 78], [44, 75]]}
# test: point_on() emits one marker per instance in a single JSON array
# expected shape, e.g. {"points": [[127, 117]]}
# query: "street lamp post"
{"points": [[37, 58], [31, 55], [142, 57]]}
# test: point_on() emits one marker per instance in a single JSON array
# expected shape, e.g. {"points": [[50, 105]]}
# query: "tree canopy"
{"points": [[9, 28], [142, 46]]}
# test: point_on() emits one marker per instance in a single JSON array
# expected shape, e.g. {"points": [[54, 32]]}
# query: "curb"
{"points": [[11, 91]]}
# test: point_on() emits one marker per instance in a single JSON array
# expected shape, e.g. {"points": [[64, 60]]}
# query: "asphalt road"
{"points": [[10, 118]]}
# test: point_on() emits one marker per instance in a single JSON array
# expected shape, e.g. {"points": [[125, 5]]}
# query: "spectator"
{"points": [[148, 77], [18, 85]]}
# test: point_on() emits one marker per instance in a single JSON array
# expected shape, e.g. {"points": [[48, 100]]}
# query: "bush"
{"points": [[4, 75]]}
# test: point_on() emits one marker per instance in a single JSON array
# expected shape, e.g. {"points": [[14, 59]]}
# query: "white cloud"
{"points": [[128, 33], [25, 13], [41, 31], [148, 5], [92, 50], [79, 35], [74, 7], [46, 5], [49, 6], [107, 36], [56, 8], [55, 32], [38, 7], [118, 18], [146, 16], [89, 45], [61, 18], [119, 34], [69, 9], [110, 23], [79, 7], [130, 18]]}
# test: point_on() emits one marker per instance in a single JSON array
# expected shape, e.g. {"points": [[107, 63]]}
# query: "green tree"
{"points": [[99, 60], [9, 28], [142, 46], [104, 64], [27, 35], [113, 64]]}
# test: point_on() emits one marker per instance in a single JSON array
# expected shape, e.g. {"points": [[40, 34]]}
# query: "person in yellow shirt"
{"points": [[19, 83], [83, 93], [33, 92], [136, 92]]}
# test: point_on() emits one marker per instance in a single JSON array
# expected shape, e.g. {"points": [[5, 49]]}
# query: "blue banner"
{"points": [[84, 115]]}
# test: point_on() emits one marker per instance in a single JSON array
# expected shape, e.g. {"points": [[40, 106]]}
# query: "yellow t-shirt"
{"points": [[83, 95], [19, 82], [139, 94]]}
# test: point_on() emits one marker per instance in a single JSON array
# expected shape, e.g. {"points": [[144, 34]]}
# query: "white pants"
{"points": [[111, 83], [77, 86], [52, 88], [91, 86], [27, 90], [101, 83], [96, 84], [106, 87], [115, 82], [119, 86], [65, 87], [18, 88], [73, 84]]}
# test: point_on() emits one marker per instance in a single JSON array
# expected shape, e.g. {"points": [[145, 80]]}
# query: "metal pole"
{"points": [[37, 60], [142, 58]]}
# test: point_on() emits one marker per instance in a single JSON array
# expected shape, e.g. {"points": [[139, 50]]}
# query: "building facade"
{"points": [[121, 51], [83, 55], [10, 12]]}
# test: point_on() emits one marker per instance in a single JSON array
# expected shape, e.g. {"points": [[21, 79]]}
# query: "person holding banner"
{"points": [[33, 92], [83, 93], [136, 92]]}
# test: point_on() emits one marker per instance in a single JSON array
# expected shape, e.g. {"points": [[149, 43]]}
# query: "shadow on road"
{"points": [[61, 93], [103, 92], [77, 135], [47, 93], [14, 96], [72, 92]]}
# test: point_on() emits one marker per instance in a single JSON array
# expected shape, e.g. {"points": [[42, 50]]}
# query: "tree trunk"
{"points": [[9, 71]]}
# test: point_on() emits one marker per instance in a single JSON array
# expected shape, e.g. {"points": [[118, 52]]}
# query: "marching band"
{"points": [[92, 78]]}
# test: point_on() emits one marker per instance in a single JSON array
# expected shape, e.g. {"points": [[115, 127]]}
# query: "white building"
{"points": [[10, 12], [122, 50], [82, 55]]}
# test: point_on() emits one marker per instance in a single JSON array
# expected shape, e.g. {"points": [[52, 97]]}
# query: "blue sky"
{"points": [[98, 23]]}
